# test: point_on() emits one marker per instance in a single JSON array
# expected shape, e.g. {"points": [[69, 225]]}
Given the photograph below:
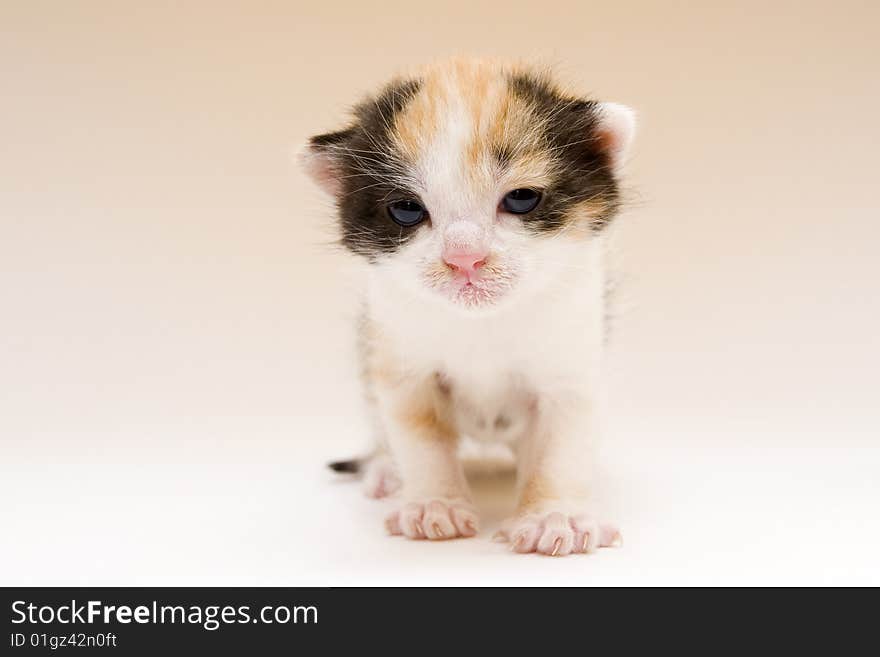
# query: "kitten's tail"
{"points": [[350, 466]]}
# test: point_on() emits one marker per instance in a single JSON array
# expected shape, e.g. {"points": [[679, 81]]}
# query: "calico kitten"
{"points": [[478, 193]]}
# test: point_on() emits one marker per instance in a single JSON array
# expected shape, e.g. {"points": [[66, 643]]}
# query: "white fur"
{"points": [[527, 344], [546, 341], [533, 351]]}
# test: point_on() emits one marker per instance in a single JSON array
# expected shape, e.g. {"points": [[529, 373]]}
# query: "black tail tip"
{"points": [[350, 466]]}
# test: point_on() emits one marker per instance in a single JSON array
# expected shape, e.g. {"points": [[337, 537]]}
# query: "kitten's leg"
{"points": [[380, 475], [376, 470], [555, 513], [423, 442]]}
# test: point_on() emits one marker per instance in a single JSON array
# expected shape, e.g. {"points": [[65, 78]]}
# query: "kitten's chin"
{"points": [[475, 298]]}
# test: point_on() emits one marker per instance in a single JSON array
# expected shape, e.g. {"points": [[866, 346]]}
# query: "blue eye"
{"points": [[407, 213], [521, 201]]}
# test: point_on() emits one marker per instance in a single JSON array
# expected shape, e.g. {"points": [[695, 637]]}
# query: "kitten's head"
{"points": [[473, 181]]}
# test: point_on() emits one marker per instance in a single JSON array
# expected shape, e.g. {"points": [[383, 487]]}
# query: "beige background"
{"points": [[174, 337]]}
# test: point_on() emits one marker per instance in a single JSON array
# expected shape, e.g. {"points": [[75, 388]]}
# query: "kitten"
{"points": [[478, 194]]}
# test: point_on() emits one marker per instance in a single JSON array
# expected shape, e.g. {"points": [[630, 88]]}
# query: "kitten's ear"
{"points": [[322, 159], [615, 131]]}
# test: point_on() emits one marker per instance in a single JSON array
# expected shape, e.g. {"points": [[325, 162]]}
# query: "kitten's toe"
{"points": [[590, 535], [557, 537], [434, 520], [558, 534], [465, 519]]}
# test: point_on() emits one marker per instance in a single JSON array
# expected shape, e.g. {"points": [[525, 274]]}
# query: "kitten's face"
{"points": [[473, 182]]}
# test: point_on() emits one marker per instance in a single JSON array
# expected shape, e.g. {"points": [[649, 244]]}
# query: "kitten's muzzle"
{"points": [[464, 247], [465, 262]]}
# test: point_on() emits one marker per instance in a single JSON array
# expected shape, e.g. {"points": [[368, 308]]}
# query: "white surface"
{"points": [[175, 335], [727, 512]]}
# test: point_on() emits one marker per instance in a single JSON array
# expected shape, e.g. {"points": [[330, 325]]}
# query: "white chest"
{"points": [[499, 366]]}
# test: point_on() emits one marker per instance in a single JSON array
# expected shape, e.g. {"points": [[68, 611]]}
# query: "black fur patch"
{"points": [[367, 166], [585, 172]]}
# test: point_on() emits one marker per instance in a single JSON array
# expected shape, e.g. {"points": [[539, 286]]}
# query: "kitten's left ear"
{"points": [[322, 158], [615, 130]]}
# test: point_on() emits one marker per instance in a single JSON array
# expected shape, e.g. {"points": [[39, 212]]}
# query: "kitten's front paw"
{"points": [[435, 520], [557, 534]]}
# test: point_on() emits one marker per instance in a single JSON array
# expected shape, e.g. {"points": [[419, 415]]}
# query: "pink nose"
{"points": [[465, 262]]}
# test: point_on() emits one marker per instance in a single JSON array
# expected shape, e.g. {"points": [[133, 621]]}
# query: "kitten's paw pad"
{"points": [[557, 534], [380, 478], [435, 520]]}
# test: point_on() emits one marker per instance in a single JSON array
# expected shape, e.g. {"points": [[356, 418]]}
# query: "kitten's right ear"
{"points": [[615, 131], [322, 159]]}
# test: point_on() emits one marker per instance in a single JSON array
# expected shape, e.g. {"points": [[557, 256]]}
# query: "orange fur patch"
{"points": [[534, 493], [425, 411], [426, 419], [538, 490], [476, 94]]}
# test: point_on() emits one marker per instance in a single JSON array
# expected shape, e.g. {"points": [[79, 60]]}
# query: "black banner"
{"points": [[151, 621]]}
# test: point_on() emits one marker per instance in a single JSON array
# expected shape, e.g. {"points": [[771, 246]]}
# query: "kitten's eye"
{"points": [[521, 201], [407, 213]]}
